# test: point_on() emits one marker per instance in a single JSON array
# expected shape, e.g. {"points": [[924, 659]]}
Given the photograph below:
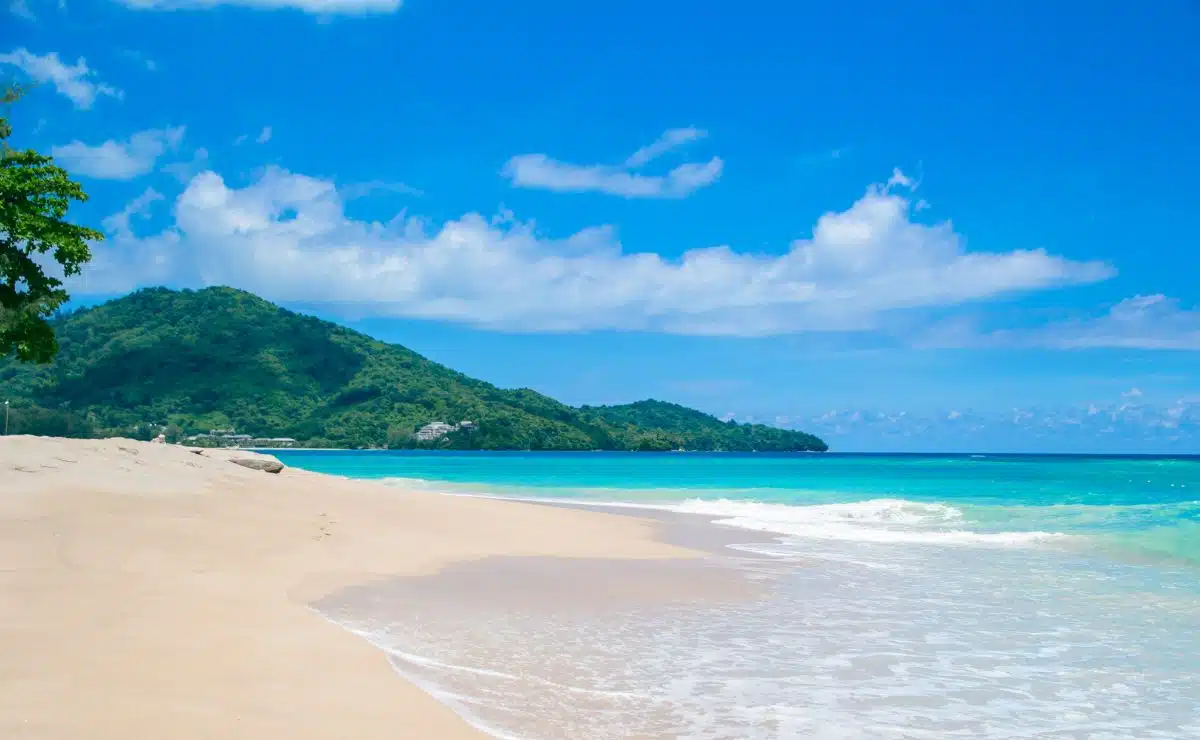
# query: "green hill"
{"points": [[186, 362]]}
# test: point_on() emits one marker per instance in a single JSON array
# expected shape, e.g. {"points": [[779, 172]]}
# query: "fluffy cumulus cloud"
{"points": [[75, 81], [315, 7], [287, 237], [541, 172], [119, 160]]}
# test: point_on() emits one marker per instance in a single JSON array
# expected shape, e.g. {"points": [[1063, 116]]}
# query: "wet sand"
{"points": [[498, 639]]}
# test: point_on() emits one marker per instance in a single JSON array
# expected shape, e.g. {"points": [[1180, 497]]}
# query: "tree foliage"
{"points": [[35, 195], [185, 362]]}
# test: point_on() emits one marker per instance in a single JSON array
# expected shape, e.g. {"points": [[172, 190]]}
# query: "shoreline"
{"points": [[164, 593], [468, 600], [167, 593], [434, 450], [956, 454]]}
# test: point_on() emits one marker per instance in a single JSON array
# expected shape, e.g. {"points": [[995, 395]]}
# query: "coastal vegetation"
{"points": [[182, 363], [35, 195]]}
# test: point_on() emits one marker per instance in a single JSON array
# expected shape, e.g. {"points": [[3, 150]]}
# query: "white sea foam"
{"points": [[1003, 644], [886, 618], [884, 520], [879, 521]]}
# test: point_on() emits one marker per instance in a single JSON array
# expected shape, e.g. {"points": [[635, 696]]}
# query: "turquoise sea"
{"points": [[991, 596]]}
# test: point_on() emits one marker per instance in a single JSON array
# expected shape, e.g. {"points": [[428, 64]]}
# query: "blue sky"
{"points": [[902, 226]]}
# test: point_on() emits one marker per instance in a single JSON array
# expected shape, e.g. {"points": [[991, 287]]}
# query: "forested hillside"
{"points": [[186, 362]]}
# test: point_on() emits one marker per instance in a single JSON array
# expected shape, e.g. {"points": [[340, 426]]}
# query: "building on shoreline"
{"points": [[438, 429], [229, 438], [433, 430]]}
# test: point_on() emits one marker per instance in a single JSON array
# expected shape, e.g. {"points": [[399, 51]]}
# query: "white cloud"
{"points": [[262, 138], [287, 237], [1127, 427], [315, 7], [901, 180], [185, 170], [1148, 322], [119, 224], [670, 139], [1132, 393], [74, 81], [119, 160], [539, 171], [1140, 322]]}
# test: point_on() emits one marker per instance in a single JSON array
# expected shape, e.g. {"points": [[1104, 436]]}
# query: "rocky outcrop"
{"points": [[245, 458], [267, 465]]}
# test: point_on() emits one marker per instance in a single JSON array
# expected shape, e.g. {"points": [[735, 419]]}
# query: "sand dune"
{"points": [[147, 592]]}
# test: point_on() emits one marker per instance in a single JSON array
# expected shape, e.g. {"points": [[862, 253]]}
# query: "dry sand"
{"points": [[147, 592]]}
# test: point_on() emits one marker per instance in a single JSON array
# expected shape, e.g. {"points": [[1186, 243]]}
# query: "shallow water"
{"points": [[901, 598], [1147, 507]]}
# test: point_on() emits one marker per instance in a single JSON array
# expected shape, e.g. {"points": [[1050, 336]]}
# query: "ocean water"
{"points": [[903, 597]]}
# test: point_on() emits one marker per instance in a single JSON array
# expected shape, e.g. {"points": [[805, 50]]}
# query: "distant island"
{"points": [[221, 366]]}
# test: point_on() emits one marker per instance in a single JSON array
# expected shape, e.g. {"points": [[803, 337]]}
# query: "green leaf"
{"points": [[35, 196]]}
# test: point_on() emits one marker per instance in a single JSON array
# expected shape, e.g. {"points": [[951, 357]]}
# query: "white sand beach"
{"points": [[149, 592]]}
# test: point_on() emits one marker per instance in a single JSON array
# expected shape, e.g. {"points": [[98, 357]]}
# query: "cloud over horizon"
{"points": [[1119, 425], [287, 237]]}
